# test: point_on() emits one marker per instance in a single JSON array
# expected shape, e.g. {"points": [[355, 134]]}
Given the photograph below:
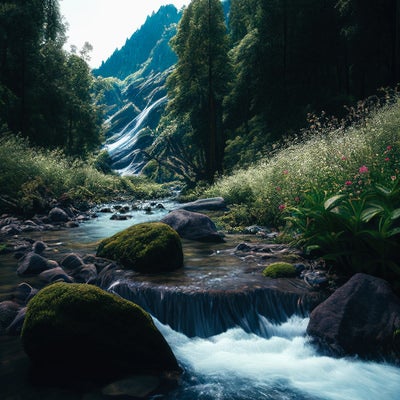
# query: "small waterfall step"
{"points": [[199, 312]]}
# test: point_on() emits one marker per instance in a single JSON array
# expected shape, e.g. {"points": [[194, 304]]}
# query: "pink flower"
{"points": [[278, 188], [348, 183], [387, 159], [297, 199], [363, 170], [285, 172], [393, 178], [344, 158], [281, 207], [389, 148]]}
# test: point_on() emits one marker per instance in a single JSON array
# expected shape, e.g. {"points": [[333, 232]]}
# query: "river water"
{"points": [[278, 364]]}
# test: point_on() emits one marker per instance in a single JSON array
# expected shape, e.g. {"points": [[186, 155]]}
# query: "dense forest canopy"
{"points": [[286, 59], [248, 72], [45, 92]]}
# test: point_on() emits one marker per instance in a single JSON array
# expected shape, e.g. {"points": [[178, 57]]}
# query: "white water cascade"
{"points": [[125, 146], [236, 365]]}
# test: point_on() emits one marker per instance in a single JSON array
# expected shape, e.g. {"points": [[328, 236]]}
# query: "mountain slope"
{"points": [[152, 38]]}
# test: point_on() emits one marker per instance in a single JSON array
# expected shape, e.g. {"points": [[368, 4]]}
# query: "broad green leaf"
{"points": [[370, 213], [333, 201], [395, 214]]}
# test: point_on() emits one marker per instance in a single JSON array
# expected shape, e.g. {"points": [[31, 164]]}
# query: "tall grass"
{"points": [[325, 161], [30, 178]]}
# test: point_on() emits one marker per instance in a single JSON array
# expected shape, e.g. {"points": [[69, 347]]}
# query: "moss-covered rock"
{"points": [[86, 332], [148, 247], [280, 270]]}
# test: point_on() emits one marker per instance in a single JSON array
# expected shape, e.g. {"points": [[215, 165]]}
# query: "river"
{"points": [[277, 362]]}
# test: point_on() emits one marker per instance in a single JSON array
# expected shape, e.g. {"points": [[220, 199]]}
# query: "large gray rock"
{"points": [[193, 226], [33, 264], [211, 204], [362, 317], [57, 214]]}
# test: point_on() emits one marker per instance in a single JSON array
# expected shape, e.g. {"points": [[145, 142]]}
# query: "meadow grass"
{"points": [[31, 177], [330, 161]]}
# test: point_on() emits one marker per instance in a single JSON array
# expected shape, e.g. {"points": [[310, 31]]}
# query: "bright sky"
{"points": [[106, 24]]}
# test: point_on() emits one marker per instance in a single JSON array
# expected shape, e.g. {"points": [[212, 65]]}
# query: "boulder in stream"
{"points": [[147, 247], [193, 226], [361, 318], [84, 332], [210, 204]]}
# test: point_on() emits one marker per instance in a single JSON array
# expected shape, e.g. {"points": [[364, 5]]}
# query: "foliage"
{"points": [[45, 92], [148, 248], [192, 142], [280, 270], [31, 177], [356, 234], [324, 158]]}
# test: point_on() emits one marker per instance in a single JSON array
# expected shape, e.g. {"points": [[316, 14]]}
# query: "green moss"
{"points": [[148, 247], [86, 331], [280, 270]]}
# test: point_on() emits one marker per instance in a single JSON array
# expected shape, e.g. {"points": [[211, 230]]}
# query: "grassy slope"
{"points": [[328, 161]]}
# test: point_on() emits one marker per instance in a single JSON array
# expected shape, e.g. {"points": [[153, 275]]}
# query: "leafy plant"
{"points": [[355, 234]]}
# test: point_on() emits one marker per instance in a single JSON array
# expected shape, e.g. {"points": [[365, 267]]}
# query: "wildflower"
{"points": [[387, 159], [389, 148], [393, 178], [344, 158], [278, 188], [297, 199], [281, 207], [363, 169], [285, 172], [348, 183]]}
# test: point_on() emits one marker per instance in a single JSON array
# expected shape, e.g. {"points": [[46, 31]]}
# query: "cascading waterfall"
{"points": [[125, 146], [204, 313]]}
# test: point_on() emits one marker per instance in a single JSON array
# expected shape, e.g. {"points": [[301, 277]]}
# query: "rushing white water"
{"points": [[237, 365], [125, 146]]}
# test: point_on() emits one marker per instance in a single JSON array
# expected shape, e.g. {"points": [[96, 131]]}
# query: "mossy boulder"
{"points": [[85, 332], [280, 270], [148, 247]]}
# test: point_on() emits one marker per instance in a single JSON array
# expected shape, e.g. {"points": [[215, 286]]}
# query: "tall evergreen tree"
{"points": [[198, 84]]}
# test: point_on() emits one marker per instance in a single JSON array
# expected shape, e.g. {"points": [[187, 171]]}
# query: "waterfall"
{"points": [[125, 146], [204, 313]]}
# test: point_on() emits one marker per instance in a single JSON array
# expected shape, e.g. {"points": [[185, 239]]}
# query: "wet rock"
{"points": [[361, 318], [8, 311], [72, 261], [55, 275], [193, 226], [120, 217], [147, 247], [108, 275], [39, 247], [15, 328], [32, 264], [211, 204], [139, 386], [72, 224], [315, 279], [106, 210], [57, 214], [23, 293], [92, 334], [12, 229], [85, 274]]}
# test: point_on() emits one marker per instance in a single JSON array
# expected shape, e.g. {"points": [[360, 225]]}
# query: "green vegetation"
{"points": [[90, 333], [31, 177], [280, 270], [148, 247], [45, 92], [328, 161]]}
